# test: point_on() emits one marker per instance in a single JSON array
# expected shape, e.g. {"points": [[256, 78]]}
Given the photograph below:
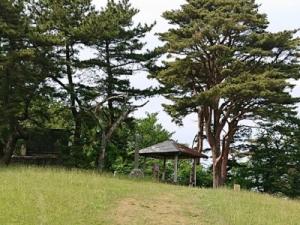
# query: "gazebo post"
{"points": [[164, 170], [175, 168], [136, 159], [195, 172]]}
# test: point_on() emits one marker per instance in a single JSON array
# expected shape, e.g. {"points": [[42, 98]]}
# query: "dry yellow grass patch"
{"points": [[164, 209]]}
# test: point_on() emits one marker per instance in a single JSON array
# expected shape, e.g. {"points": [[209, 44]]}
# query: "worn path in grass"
{"points": [[163, 209]]}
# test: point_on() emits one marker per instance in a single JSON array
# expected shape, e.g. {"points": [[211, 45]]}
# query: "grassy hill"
{"points": [[37, 196]]}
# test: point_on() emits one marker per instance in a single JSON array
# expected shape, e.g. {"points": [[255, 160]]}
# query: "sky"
{"points": [[282, 15]]}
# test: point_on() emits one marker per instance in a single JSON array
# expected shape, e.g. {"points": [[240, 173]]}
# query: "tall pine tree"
{"points": [[21, 74], [65, 23], [225, 66], [120, 54]]}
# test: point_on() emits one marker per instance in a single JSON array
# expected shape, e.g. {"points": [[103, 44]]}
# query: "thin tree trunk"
{"points": [[77, 131], [9, 149], [110, 82], [76, 115], [195, 172], [224, 164], [105, 138], [102, 152], [1, 150], [201, 130]]}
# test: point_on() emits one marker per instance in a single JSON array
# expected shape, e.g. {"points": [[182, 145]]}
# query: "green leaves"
{"points": [[120, 54], [226, 53], [275, 158]]}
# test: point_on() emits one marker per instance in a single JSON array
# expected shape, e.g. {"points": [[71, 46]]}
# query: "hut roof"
{"points": [[169, 149]]}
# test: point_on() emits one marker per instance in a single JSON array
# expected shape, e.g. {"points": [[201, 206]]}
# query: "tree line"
{"points": [[218, 61], [41, 43]]}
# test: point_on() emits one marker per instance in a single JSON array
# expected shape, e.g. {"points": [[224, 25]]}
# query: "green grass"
{"points": [[40, 196]]}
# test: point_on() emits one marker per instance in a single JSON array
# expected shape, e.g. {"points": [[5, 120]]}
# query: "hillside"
{"points": [[32, 196]]}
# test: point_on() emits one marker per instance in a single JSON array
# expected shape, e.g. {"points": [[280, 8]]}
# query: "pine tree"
{"points": [[65, 23], [225, 66], [120, 54], [21, 76]]}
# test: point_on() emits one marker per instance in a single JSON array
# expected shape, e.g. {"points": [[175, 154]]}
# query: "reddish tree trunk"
{"points": [[224, 168], [217, 182], [220, 164]]}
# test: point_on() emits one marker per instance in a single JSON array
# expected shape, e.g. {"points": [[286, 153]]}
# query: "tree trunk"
{"points": [[220, 168], [217, 180], [1, 150], [9, 149], [106, 136], [110, 82], [102, 152], [224, 164], [76, 150], [217, 163], [201, 131], [194, 172], [77, 130], [220, 163], [214, 126]]}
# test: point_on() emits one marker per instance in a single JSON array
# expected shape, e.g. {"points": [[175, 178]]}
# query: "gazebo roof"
{"points": [[169, 149]]}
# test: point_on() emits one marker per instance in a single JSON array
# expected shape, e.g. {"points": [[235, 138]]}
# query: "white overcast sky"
{"points": [[282, 14]]}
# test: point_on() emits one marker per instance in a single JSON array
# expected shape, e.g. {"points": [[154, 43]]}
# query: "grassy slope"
{"points": [[37, 196]]}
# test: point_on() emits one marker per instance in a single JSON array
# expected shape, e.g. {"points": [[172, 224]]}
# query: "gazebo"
{"points": [[170, 150]]}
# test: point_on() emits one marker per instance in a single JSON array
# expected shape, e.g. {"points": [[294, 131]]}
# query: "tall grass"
{"points": [[38, 196]]}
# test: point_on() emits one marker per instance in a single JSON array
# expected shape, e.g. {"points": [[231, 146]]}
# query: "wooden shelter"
{"points": [[42, 147], [170, 150]]}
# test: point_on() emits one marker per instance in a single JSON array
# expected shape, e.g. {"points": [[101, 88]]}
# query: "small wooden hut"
{"points": [[41, 146], [170, 150]]}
